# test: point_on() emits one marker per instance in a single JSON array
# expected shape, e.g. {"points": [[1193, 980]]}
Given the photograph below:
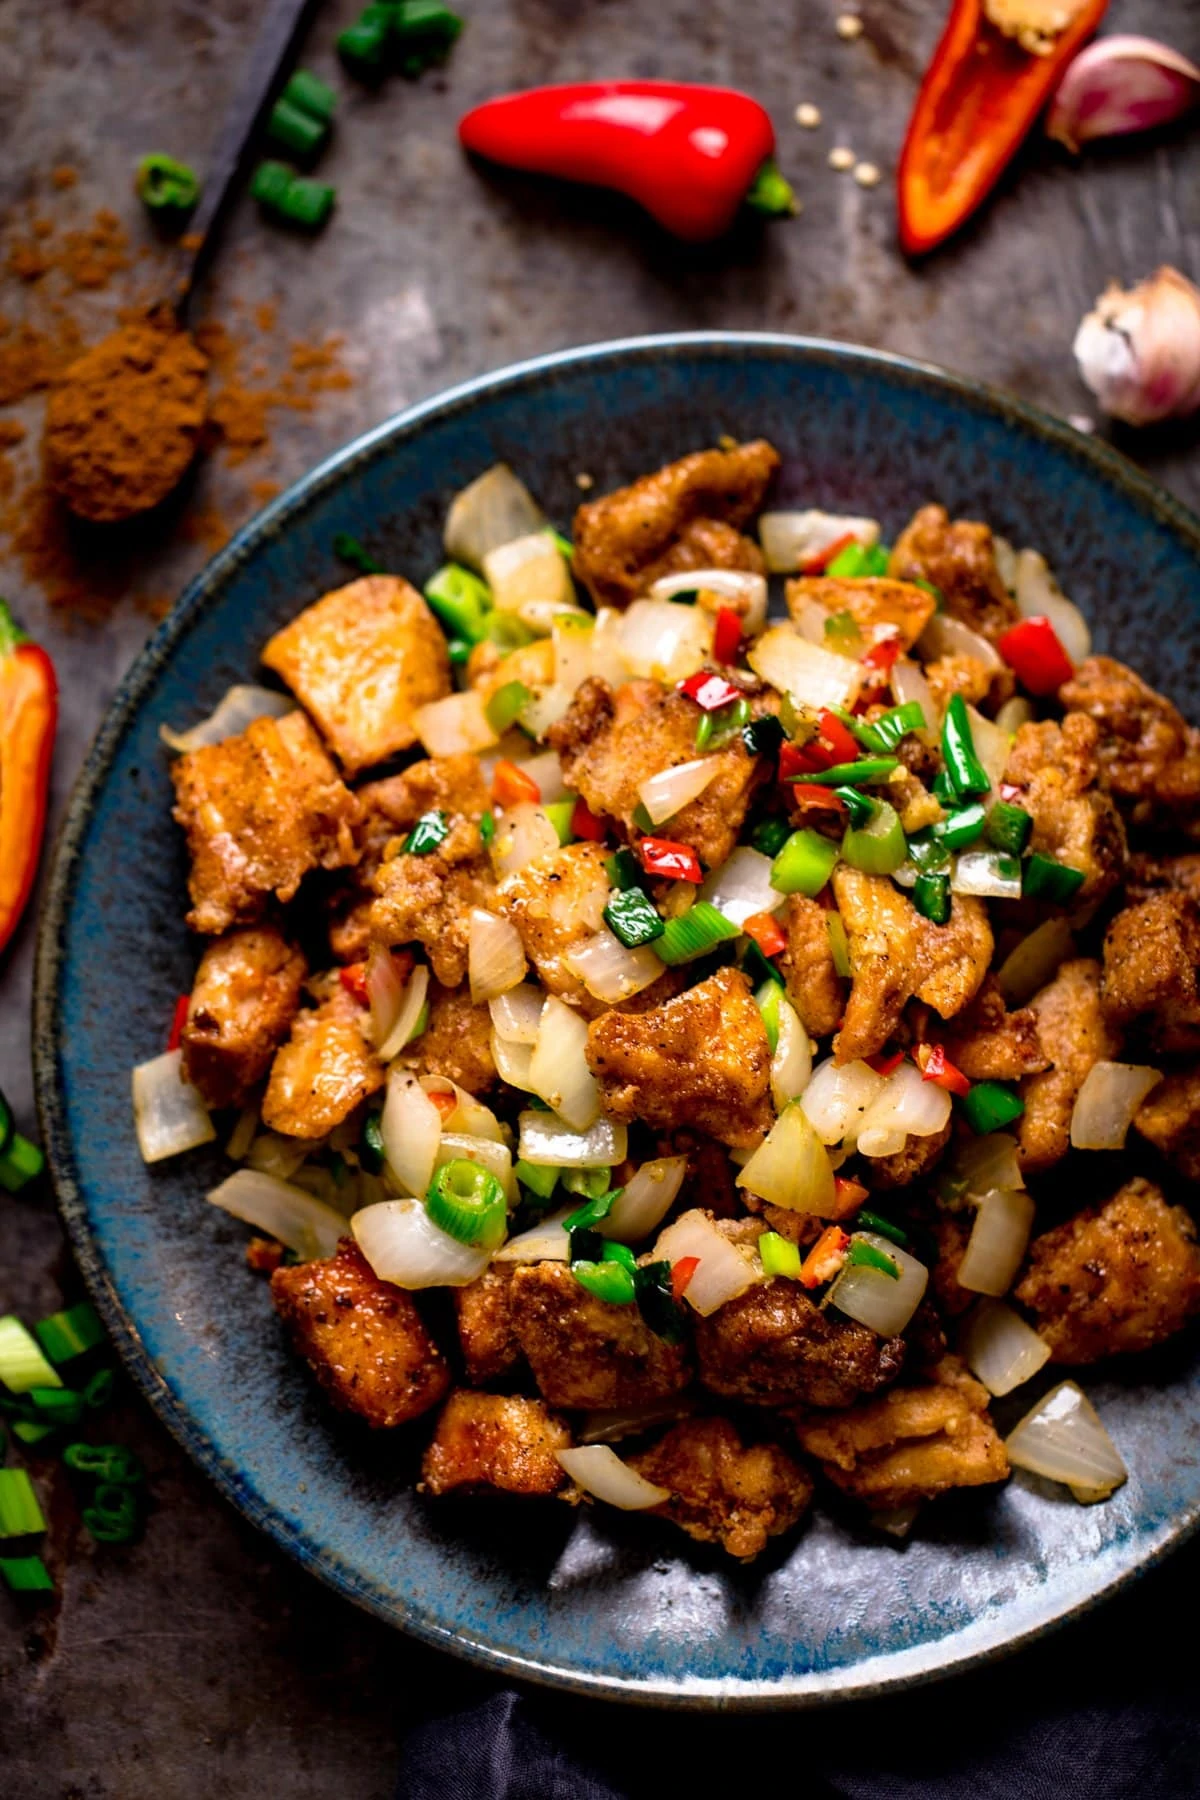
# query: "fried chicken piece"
{"points": [[1146, 875], [989, 1043], [1169, 1117], [723, 1491], [327, 1068], [260, 810], [485, 1327], [969, 676], [456, 1043], [430, 898], [497, 1442], [771, 1346], [557, 903], [1149, 756], [919, 1157], [244, 998], [897, 955], [960, 560], [1075, 1035], [364, 1339], [585, 1353], [951, 1233], [871, 601], [814, 987], [700, 1060], [1151, 953], [1117, 1278], [1057, 766], [688, 515]]}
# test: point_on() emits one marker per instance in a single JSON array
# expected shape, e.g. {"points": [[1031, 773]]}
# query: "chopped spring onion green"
{"points": [[112, 1517], [540, 1180], [758, 968], [363, 46], [967, 774], [291, 198], [856, 561], [839, 944], [67, 1334], [841, 630], [105, 1462], [506, 704], [296, 131], [608, 1280], [632, 917], [20, 1512], [763, 737], [770, 835], [693, 933], [593, 1184], [589, 1215], [31, 1433], [931, 897], [804, 864], [310, 93], [1048, 879], [20, 1161], [22, 1365], [166, 187], [487, 827], [867, 768], [716, 729], [561, 814], [767, 998], [424, 32], [352, 552], [99, 1390], [1008, 827], [868, 1257], [779, 1255], [883, 734], [657, 1304], [962, 827], [430, 830], [372, 1152], [990, 1106], [25, 1575], [860, 807], [60, 1406], [623, 870], [459, 651], [943, 789], [461, 601], [869, 1221], [467, 1202], [878, 847]]}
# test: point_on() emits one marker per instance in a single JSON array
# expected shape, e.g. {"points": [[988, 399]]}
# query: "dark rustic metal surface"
{"points": [[198, 1663]]}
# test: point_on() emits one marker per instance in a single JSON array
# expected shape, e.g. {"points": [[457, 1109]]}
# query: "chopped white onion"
{"points": [[403, 1245], [979, 872], [496, 508], [909, 683], [791, 539], [611, 1425], [599, 1471], [308, 1226], [573, 634], [517, 1013], [1106, 1103], [238, 707], [546, 771], [1038, 595], [608, 658], [1006, 561], [512, 1062], [810, 674], [547, 1241], [457, 723], [411, 1128], [645, 1200], [610, 971], [1013, 714], [495, 1158], [992, 746], [529, 576], [740, 589], [989, 1162], [409, 1015], [385, 992], [998, 1242], [547, 707], [273, 1154], [906, 1106], [881, 1302], [791, 1167], [243, 1134], [523, 833], [724, 1270], [1062, 1439], [495, 955], [791, 1065], [664, 640], [546, 1141], [947, 636], [462, 1111], [668, 792], [742, 887], [1000, 1348], [558, 1067], [168, 1113], [836, 1100], [1035, 962]]}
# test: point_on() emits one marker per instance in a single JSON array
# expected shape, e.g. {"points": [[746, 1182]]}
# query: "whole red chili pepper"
{"points": [[690, 155], [28, 717]]}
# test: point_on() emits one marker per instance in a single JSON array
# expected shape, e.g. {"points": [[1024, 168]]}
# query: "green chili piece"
{"points": [[351, 551], [868, 768], [165, 187], [487, 827], [461, 601], [633, 919], [1048, 879], [805, 863], [623, 869], [1008, 827], [967, 774], [763, 737], [962, 827], [723, 725], [860, 807], [869, 1221], [990, 1106], [430, 830], [931, 897], [371, 1151], [869, 1257], [657, 1304], [609, 1280], [770, 835], [588, 1216]]}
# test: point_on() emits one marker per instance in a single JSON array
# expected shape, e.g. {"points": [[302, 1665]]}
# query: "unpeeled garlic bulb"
{"points": [[1120, 85], [1139, 351]]}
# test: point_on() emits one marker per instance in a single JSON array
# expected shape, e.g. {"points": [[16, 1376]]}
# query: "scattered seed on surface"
{"points": [[849, 26], [808, 115], [841, 158], [585, 481], [866, 174]]}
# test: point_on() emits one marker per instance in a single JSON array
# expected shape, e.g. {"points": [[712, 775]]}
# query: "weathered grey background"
{"points": [[198, 1663]]}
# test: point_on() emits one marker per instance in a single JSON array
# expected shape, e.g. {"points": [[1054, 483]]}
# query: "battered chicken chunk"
{"points": [[457, 1042], [362, 660], [1121, 1277], [771, 1346], [245, 996], [430, 898], [1146, 875], [260, 810], [485, 1327], [606, 761], [872, 602], [968, 676], [495, 1441], [700, 1060], [952, 1234], [557, 903], [686, 516], [959, 559], [814, 987], [911, 1444], [722, 1491], [1169, 1117], [585, 1353], [1149, 757], [1074, 1034], [1057, 767], [896, 955], [364, 1339], [1151, 953], [989, 1043], [326, 1069]]}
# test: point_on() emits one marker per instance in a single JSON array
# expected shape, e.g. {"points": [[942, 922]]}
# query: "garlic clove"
{"points": [[1139, 352], [1119, 85]]}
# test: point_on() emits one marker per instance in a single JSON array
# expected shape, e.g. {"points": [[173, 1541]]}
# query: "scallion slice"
{"points": [[67, 1334], [779, 1256], [804, 864], [879, 846], [25, 1575], [20, 1512], [467, 1202], [693, 933], [22, 1365], [767, 998], [506, 705], [297, 131], [540, 1181], [839, 943]]}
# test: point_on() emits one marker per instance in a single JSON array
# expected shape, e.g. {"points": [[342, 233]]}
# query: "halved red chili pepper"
{"points": [[585, 824], [980, 95], [935, 1066], [820, 560], [512, 786], [1033, 651], [691, 155], [681, 1274], [825, 1258], [663, 856], [727, 635], [842, 745], [28, 718], [885, 1064], [710, 691], [178, 1021], [767, 933]]}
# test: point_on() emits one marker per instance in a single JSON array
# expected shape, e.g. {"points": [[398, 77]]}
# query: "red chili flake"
{"points": [[935, 1066], [178, 1021], [353, 978]]}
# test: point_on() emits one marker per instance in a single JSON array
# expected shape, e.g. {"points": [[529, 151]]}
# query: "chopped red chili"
{"points": [[512, 786], [821, 559], [585, 824], [675, 862], [842, 745], [681, 1274], [767, 933], [353, 978], [710, 691], [1033, 651], [935, 1066], [825, 1258], [727, 635], [885, 1065]]}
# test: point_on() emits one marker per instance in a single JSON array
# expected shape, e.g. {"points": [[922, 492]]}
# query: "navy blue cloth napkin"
{"points": [[1106, 1709]]}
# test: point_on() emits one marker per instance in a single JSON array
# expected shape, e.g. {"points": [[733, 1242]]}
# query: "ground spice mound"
{"points": [[124, 421]]}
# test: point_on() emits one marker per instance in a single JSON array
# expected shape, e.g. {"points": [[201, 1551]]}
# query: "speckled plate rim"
{"points": [[927, 1662]]}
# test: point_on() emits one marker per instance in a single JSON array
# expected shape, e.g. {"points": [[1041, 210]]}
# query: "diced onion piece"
{"points": [[909, 683], [742, 887], [611, 1425], [998, 1242], [547, 1241], [836, 1100], [811, 675], [668, 792], [465, 1113], [558, 1068], [665, 641], [410, 1012], [1006, 560], [496, 508], [455, 724], [237, 708], [879, 1301], [168, 1112], [243, 1134], [307, 1226], [403, 1245], [572, 634], [989, 1162], [495, 955], [523, 833], [599, 1471], [545, 1140], [273, 1154], [740, 589], [645, 1200], [1035, 962], [992, 746], [495, 1158], [896, 1521], [385, 992], [1000, 1348], [411, 1127], [529, 577], [608, 658], [547, 707], [981, 872], [1014, 713], [546, 770], [906, 1106], [724, 1270], [512, 1062], [1106, 1104], [610, 971], [517, 1013], [791, 1167], [947, 636], [791, 539], [1038, 595], [791, 1065], [1063, 1440]]}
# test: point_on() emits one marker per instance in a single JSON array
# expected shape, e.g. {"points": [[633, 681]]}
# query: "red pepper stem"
{"points": [[10, 632], [770, 193]]}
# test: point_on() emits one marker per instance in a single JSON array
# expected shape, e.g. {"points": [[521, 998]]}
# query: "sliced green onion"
{"points": [[506, 704], [363, 46], [868, 1257], [487, 827], [967, 774], [779, 1255], [805, 864], [20, 1513], [466, 1201], [990, 1106], [32, 1432], [763, 737], [657, 1303], [857, 561], [1008, 827], [623, 869], [20, 1163], [292, 198], [105, 1462], [588, 1216], [593, 1184], [621, 1253], [112, 1516], [770, 835], [297, 131], [962, 827], [25, 1575], [166, 187], [310, 94], [430, 830], [869, 1221], [931, 897], [839, 944], [507, 632], [372, 1152], [642, 819], [767, 998], [609, 1280], [22, 1365], [461, 601], [633, 919], [860, 807], [1048, 879], [351, 551], [943, 789], [459, 651], [62, 1406], [424, 32], [916, 581], [67, 1334], [879, 847], [99, 1390], [560, 814], [693, 933], [884, 733], [868, 768], [540, 1180], [716, 729]]}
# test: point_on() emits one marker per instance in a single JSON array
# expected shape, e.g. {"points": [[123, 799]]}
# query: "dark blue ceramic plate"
{"points": [[592, 1602]]}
